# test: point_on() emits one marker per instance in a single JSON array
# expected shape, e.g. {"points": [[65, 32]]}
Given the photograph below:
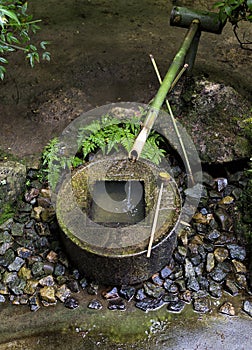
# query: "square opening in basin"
{"points": [[117, 203]]}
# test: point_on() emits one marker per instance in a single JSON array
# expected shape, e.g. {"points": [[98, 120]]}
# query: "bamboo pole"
{"points": [[158, 100], [174, 123]]}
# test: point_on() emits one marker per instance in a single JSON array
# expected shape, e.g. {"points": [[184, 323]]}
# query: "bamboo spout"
{"points": [[156, 104]]}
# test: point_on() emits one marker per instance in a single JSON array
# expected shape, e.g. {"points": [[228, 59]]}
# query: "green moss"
{"points": [[6, 213], [4, 156]]}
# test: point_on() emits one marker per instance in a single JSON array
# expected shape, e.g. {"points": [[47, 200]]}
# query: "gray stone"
{"points": [[17, 286], [176, 306], [237, 252], [95, 305], [63, 293], [220, 272], [247, 307], [201, 305], [5, 237], [16, 264], [17, 229], [228, 309], [7, 258], [210, 263]]}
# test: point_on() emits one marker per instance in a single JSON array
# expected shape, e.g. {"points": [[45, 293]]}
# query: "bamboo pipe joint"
{"points": [[209, 21]]}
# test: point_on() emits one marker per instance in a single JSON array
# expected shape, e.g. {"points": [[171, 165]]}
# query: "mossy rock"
{"points": [[12, 184], [215, 119]]}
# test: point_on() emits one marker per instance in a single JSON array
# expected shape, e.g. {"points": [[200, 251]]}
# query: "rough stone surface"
{"points": [[215, 122], [12, 181]]}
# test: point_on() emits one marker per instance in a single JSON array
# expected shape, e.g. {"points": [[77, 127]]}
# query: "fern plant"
{"points": [[106, 134]]}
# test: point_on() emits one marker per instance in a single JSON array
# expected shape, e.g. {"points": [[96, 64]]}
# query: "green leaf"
{"points": [[219, 4], [11, 38], [43, 44], [249, 3], [3, 60], [2, 72], [46, 56], [9, 14], [24, 9]]}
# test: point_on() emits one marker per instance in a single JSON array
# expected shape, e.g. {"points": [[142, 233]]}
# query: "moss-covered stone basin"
{"points": [[116, 252]]}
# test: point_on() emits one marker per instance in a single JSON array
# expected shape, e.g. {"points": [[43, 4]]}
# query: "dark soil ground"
{"points": [[100, 53]]}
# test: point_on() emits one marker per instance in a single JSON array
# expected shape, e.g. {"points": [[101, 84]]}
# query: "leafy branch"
{"points": [[15, 28], [236, 11]]}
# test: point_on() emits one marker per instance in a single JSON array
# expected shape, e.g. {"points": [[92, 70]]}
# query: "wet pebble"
{"points": [[227, 308], [31, 286], [165, 272], [71, 303], [237, 252], [220, 272], [186, 296], [223, 218], [247, 307], [5, 237], [95, 305], [111, 294], [93, 288], [4, 247], [63, 293], [239, 267], [24, 252], [221, 254], [16, 264], [30, 195], [140, 294], [210, 263], [38, 269], [116, 304], [34, 303], [149, 304], [201, 305], [176, 306], [48, 294], [47, 281], [215, 289], [17, 229], [17, 285], [221, 183], [83, 283], [2, 298], [213, 235], [231, 287], [59, 270], [73, 286], [127, 292], [7, 258], [152, 290], [156, 279]]}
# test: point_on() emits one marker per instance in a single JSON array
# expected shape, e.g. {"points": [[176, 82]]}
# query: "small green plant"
{"points": [[236, 11], [106, 134], [15, 28]]}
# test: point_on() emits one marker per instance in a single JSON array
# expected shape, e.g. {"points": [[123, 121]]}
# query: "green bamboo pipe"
{"points": [[158, 100]]}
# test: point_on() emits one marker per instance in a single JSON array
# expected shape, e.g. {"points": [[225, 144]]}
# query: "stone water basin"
{"points": [[101, 243]]}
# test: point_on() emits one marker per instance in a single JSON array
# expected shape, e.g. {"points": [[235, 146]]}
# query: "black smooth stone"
{"points": [[71, 303], [148, 304], [127, 292], [95, 305], [116, 304], [176, 306]]}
